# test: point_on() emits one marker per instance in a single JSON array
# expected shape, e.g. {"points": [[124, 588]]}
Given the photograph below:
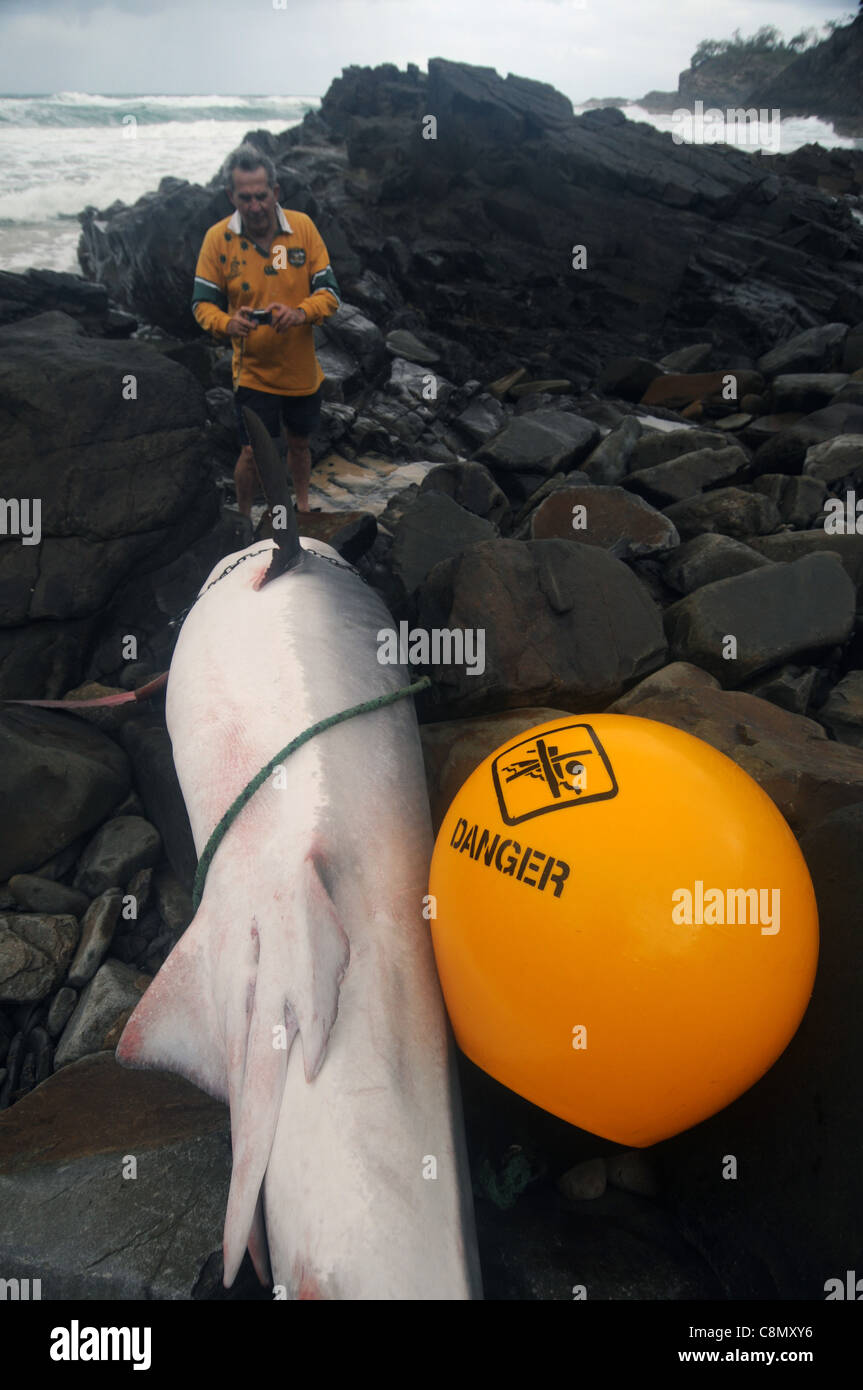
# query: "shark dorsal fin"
{"points": [[274, 481]]}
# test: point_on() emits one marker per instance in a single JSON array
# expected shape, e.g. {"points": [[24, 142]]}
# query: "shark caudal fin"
{"points": [[224, 1011]]}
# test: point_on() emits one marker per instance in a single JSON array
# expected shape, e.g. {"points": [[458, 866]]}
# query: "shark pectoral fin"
{"points": [[258, 1245], [176, 1026], [302, 959], [320, 953]]}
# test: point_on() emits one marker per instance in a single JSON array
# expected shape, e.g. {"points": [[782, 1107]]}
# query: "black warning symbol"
{"points": [[552, 770]]}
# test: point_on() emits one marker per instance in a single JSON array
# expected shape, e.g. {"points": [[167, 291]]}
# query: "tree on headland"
{"points": [[767, 39]]}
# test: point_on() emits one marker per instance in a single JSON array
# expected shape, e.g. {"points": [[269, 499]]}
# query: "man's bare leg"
{"points": [[300, 466], [246, 480]]}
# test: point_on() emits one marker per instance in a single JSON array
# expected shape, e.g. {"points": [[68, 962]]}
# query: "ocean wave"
{"points": [[80, 109]]}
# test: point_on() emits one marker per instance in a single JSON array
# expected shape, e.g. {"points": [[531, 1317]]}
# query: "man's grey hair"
{"points": [[248, 158]]}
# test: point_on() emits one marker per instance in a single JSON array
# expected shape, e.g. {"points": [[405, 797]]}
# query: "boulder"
{"points": [[433, 528], [472, 486], [43, 895], [841, 457], [130, 499], [679, 389], [799, 500], [609, 517], [813, 350], [535, 446], [609, 461], [728, 510], [687, 474], [101, 1013], [628, 377], [788, 546], [34, 954], [593, 627], [67, 775], [481, 419], [706, 559], [773, 614], [118, 850], [659, 446], [157, 1237], [97, 929], [842, 712], [806, 390]]}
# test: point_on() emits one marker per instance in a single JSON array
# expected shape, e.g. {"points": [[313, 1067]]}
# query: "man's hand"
{"points": [[284, 317], [240, 326]]}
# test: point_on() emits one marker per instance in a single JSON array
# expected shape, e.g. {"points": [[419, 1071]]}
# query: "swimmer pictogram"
{"points": [[548, 772]]}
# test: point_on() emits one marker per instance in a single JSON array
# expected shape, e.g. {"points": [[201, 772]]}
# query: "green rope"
{"points": [[258, 780]]}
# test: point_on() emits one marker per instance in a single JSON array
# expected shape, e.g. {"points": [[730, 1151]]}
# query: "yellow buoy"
{"points": [[625, 931]]}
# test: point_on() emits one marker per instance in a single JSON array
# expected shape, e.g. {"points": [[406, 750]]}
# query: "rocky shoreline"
{"points": [[643, 455]]}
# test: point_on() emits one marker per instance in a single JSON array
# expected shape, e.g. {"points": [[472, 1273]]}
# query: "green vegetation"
{"points": [[767, 39]]}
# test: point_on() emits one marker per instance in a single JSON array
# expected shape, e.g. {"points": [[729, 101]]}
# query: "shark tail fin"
{"points": [[224, 1011]]}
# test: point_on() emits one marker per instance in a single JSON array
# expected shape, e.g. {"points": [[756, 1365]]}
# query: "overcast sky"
{"points": [[583, 47]]}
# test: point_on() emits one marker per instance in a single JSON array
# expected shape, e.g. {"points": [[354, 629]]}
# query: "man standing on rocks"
{"points": [[263, 258]]}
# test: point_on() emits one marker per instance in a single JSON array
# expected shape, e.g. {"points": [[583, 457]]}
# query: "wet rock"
{"points": [[402, 343], [411, 383], [173, 902], [842, 712], [790, 687], [357, 335], [799, 500], [729, 510], [593, 627], [454, 748], [632, 1171], [433, 528], [34, 954], [535, 446], [118, 849], [42, 895], [69, 777], [835, 459], [102, 1012], [585, 1181], [97, 929], [679, 389], [773, 613], [814, 350], [806, 390], [472, 487], [139, 888], [687, 359], [788, 546], [482, 419], [626, 526], [659, 446], [628, 377], [708, 558], [149, 748], [60, 1011], [154, 1237], [609, 461], [687, 474]]}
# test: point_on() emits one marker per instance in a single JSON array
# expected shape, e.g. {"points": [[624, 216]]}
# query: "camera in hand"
{"points": [[261, 315]]}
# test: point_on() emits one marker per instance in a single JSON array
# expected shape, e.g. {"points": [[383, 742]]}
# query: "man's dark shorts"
{"points": [[300, 413]]}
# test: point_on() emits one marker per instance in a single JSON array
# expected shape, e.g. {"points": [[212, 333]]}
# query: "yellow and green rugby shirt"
{"points": [[233, 272]]}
